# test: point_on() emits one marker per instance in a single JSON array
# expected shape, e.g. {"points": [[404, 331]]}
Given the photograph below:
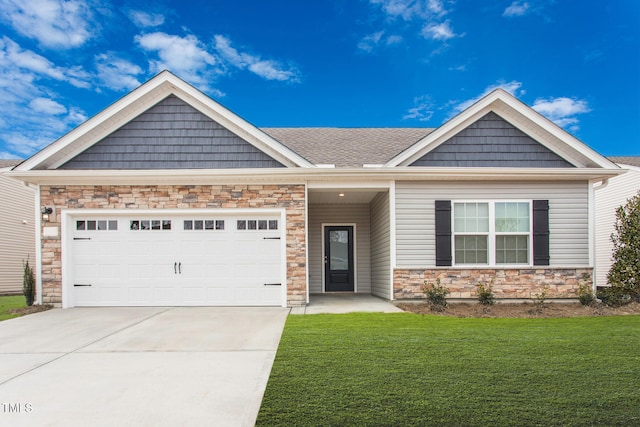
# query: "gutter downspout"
{"points": [[592, 227]]}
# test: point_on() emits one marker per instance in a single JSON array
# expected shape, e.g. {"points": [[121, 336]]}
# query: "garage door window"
{"points": [[257, 224], [203, 224], [96, 225], [149, 224]]}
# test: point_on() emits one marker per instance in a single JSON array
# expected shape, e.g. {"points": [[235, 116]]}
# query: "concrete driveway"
{"points": [[137, 366]]}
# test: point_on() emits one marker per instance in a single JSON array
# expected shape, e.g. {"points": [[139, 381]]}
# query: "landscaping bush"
{"points": [[625, 270], [28, 284], [585, 294], [485, 294], [613, 296], [436, 295]]}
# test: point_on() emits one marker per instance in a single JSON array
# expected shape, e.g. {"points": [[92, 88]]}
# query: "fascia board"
{"points": [[310, 176], [501, 101], [444, 132], [139, 100], [95, 126], [241, 127]]}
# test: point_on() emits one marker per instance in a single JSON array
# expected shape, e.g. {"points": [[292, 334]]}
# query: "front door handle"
{"points": [[180, 267], [175, 271]]}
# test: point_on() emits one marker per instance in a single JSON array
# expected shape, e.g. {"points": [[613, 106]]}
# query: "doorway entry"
{"points": [[339, 266]]}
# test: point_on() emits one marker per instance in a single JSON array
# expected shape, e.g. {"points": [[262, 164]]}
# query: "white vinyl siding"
{"points": [[380, 246], [607, 200], [340, 214], [17, 233], [415, 216]]}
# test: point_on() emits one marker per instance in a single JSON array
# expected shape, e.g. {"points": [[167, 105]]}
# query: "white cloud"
{"points": [[47, 106], [512, 87], [31, 118], [440, 31], [186, 56], [370, 42], [517, 8], [410, 9], [146, 20], [60, 24], [30, 61], [265, 68], [562, 111], [116, 73], [422, 111]]}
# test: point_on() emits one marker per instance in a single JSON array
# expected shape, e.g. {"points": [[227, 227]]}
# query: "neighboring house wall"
{"points": [[289, 197], [17, 233], [340, 214], [380, 246], [607, 199], [568, 240]]}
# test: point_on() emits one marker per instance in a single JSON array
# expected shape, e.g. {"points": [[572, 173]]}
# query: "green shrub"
{"points": [[625, 269], [485, 294], [540, 299], [585, 294], [613, 296], [28, 284], [436, 295]]}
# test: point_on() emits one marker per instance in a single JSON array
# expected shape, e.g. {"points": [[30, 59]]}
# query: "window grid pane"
{"points": [[471, 217], [471, 250], [512, 217], [512, 249]]}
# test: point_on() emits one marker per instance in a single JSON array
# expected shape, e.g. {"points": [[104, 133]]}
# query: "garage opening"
{"points": [[191, 259]]}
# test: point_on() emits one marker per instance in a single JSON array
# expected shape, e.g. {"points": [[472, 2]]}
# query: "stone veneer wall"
{"points": [[520, 283], [289, 197]]}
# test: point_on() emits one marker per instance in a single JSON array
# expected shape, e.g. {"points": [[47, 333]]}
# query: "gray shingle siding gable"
{"points": [[172, 135], [492, 142]]}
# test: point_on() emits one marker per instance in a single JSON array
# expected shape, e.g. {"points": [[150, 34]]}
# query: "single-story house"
{"points": [[609, 197], [168, 198], [17, 229]]}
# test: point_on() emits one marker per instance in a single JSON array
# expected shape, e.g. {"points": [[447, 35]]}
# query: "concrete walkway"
{"points": [[137, 366], [339, 303]]}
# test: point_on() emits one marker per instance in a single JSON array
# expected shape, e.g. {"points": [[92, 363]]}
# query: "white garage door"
{"points": [[176, 260]]}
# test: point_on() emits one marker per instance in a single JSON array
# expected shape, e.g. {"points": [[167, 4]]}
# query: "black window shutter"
{"points": [[443, 233], [540, 232]]}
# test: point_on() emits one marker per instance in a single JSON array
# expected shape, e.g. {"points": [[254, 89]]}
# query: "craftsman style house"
{"points": [[168, 198]]}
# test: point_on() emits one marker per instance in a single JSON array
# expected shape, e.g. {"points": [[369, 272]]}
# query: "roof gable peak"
{"points": [[137, 102]]}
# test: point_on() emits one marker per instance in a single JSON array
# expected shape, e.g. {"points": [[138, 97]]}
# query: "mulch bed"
{"points": [[521, 309]]}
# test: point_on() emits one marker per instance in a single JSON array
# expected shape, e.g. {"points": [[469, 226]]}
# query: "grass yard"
{"points": [[406, 369], [8, 303]]}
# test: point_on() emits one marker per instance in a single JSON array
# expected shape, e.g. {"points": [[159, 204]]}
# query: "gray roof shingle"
{"points": [[348, 147], [9, 163], [626, 160]]}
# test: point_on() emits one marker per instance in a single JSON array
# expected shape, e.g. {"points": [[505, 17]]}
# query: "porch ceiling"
{"points": [[332, 196]]}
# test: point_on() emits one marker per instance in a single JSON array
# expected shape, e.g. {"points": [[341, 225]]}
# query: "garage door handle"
{"points": [[271, 238], [80, 284], [273, 284], [180, 268], [82, 238], [175, 265]]}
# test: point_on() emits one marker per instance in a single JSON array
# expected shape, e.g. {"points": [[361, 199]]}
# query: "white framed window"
{"points": [[492, 232], [256, 224], [96, 225], [203, 224]]}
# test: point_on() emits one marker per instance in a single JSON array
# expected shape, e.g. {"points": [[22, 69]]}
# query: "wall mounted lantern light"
{"points": [[46, 214]]}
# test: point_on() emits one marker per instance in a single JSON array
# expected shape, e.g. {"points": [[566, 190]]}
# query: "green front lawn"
{"points": [[8, 303], [407, 369]]}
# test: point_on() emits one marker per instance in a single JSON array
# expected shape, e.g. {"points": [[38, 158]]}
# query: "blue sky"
{"points": [[342, 63]]}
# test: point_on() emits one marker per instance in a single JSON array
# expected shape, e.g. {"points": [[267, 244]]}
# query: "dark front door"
{"points": [[338, 258]]}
